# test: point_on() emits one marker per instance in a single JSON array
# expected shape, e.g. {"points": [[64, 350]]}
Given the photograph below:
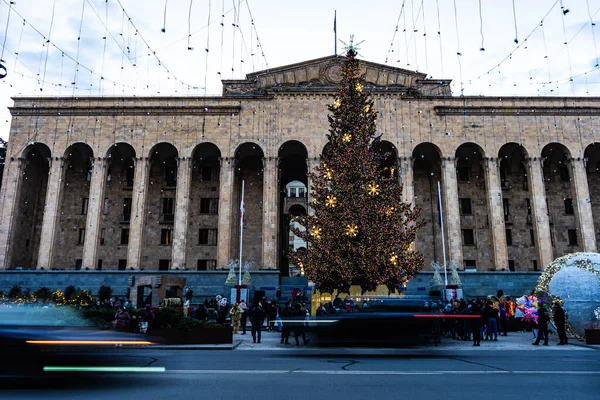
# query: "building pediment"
{"points": [[324, 74]]}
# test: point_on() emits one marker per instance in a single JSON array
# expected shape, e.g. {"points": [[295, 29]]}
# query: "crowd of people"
{"points": [[288, 319], [484, 319]]}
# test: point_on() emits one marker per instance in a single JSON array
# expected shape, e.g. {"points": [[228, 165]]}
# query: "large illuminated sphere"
{"points": [[575, 279]]}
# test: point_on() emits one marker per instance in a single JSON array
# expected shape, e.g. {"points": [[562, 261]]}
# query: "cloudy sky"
{"points": [[158, 47]]}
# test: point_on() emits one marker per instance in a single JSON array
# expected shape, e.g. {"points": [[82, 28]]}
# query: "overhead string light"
{"points": [[258, 43], [519, 45], [63, 55], [458, 52], [170, 75], [565, 46], [222, 35], [76, 75], [439, 33], [3, 70], [425, 37], [189, 45], [482, 47], [414, 31], [592, 24], [164, 28], [235, 13], [205, 65], [564, 12], [391, 48], [405, 41], [516, 39]]}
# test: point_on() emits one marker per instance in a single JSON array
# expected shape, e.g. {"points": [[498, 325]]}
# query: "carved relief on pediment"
{"points": [[327, 73]]}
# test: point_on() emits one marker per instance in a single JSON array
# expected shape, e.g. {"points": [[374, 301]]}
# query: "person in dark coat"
{"points": [[299, 328], [542, 324], [475, 323], [257, 316], [560, 319], [200, 312], [503, 319], [286, 315]]}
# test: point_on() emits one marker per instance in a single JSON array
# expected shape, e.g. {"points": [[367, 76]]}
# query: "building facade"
{"points": [[98, 183]]}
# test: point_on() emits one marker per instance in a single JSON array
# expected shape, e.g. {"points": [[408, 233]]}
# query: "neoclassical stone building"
{"points": [[155, 183]]}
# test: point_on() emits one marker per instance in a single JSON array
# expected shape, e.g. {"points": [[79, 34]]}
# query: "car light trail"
{"points": [[103, 369], [449, 316], [91, 342]]}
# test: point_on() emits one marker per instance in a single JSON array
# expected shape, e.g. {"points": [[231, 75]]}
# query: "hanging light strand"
{"points": [[391, 49], [259, 44], [509, 56]]}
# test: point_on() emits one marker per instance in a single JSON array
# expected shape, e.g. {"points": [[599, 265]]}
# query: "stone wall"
{"points": [[29, 213], [203, 283], [481, 284], [116, 191], [211, 283], [71, 219], [202, 189]]}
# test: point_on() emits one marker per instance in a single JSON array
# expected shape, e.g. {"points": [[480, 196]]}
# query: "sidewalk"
{"points": [[521, 341]]}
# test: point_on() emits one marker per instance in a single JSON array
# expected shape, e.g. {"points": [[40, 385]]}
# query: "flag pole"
{"points": [[442, 225], [241, 232], [335, 32]]}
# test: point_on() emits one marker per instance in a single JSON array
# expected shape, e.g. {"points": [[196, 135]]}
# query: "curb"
{"points": [[228, 346]]}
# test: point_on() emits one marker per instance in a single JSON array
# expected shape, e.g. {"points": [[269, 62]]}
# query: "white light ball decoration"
{"points": [[574, 279]]}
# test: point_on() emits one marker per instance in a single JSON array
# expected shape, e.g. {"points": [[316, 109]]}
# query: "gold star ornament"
{"points": [[347, 137], [394, 259], [373, 189], [359, 87], [331, 200], [337, 103], [316, 232], [352, 230]]}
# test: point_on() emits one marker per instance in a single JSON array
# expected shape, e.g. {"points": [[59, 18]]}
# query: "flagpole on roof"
{"points": [[335, 32], [241, 232], [442, 227]]}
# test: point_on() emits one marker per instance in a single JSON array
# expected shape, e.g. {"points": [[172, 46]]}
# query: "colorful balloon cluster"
{"points": [[527, 307]]}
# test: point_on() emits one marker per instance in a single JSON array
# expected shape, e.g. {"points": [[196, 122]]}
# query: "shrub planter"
{"points": [[199, 335], [592, 336]]}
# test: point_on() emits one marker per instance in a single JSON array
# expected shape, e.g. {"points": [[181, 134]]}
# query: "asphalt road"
{"points": [[312, 373]]}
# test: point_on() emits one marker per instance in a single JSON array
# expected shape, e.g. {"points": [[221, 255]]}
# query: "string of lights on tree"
{"points": [[361, 231]]}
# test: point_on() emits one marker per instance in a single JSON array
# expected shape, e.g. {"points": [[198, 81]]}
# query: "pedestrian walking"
{"points": [[503, 319], [560, 319], [243, 315], [286, 314], [235, 313], [476, 324], [257, 316], [542, 324]]}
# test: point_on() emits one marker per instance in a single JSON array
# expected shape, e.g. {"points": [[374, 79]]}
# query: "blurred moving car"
{"points": [[44, 340]]}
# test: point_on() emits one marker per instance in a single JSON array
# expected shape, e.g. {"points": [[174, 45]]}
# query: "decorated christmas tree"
{"points": [[361, 231]]}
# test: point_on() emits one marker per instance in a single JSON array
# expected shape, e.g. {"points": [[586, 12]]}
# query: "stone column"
{"points": [[583, 205], [406, 179], [10, 196], [51, 212], [451, 211], [95, 205], [496, 212], [182, 204], [226, 213], [269, 231], [541, 222], [138, 213]]}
